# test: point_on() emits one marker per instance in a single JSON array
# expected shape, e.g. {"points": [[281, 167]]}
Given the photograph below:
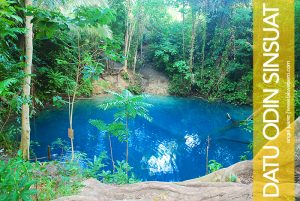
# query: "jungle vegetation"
{"points": [[51, 52]]}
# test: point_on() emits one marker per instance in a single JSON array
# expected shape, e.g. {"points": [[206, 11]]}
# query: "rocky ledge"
{"points": [[213, 187]]}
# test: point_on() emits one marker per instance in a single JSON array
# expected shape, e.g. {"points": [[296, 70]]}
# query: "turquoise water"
{"points": [[170, 148]]}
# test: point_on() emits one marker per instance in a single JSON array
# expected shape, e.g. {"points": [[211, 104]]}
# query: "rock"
{"points": [[241, 170], [167, 191], [153, 81]]}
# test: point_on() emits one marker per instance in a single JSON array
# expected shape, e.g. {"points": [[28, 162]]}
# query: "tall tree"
{"points": [[193, 36], [130, 106], [195, 7], [129, 28], [113, 129], [183, 28], [139, 33], [203, 37], [25, 138]]}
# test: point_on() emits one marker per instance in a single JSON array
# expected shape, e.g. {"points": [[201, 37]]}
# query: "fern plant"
{"points": [[129, 107], [116, 129]]}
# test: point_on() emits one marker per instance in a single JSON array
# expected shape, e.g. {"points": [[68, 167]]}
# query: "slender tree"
{"points": [[204, 35], [193, 36], [114, 129], [183, 28], [25, 138], [139, 36], [130, 106], [74, 93], [128, 28]]}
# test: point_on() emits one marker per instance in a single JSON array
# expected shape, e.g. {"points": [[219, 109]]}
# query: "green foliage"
{"points": [[125, 75], [136, 89], [58, 101], [23, 180], [247, 153], [16, 180], [179, 67], [179, 86], [182, 78], [232, 178], [9, 20], [93, 16], [5, 85], [57, 56], [115, 128], [164, 53], [135, 84], [130, 105], [48, 24], [119, 176], [247, 125], [11, 62], [61, 145], [222, 56], [243, 157], [95, 169], [213, 166], [86, 88]]}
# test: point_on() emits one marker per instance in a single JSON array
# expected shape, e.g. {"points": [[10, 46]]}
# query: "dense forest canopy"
{"points": [[53, 52]]}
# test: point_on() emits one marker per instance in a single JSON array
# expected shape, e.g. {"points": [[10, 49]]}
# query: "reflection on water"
{"points": [[170, 148], [191, 141], [164, 161]]}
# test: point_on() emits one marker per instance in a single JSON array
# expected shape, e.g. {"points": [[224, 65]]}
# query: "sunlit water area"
{"points": [[170, 148]]}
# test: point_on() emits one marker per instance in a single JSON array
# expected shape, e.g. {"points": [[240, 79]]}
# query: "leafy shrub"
{"points": [[213, 166], [58, 101], [94, 169], [247, 153], [135, 89], [16, 179], [179, 86], [24, 180], [232, 178], [86, 88], [119, 176], [125, 75], [61, 145], [243, 157], [83, 167]]}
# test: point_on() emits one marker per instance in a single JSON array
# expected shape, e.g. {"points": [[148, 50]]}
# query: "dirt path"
{"points": [[154, 82]]}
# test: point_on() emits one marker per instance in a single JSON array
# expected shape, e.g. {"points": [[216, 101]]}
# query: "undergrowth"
{"points": [[25, 180]]}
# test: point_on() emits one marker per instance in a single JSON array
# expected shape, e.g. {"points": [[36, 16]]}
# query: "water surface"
{"points": [[170, 148]]}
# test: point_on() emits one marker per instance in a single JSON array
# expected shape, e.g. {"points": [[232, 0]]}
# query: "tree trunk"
{"points": [[135, 57], [191, 60], [141, 47], [127, 136], [125, 49], [25, 138], [183, 30], [72, 101], [138, 41], [203, 46], [111, 153], [127, 30]]}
